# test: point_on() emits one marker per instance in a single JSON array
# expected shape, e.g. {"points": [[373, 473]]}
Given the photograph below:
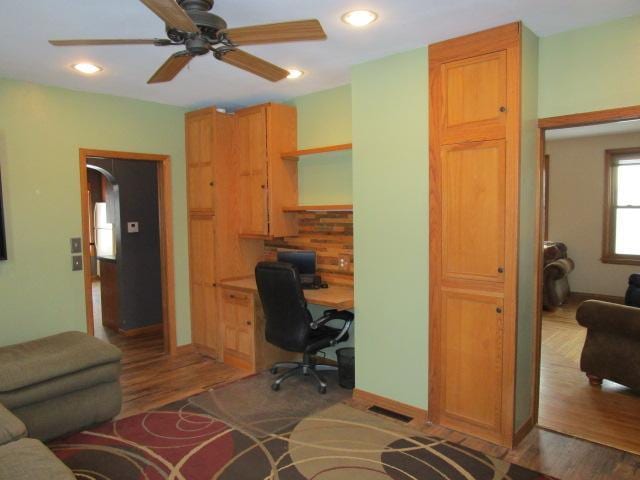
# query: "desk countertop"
{"points": [[336, 296]]}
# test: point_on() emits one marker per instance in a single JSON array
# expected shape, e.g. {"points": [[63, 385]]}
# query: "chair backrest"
{"points": [[288, 321]]}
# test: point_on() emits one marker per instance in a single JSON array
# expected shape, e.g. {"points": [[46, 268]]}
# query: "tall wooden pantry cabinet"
{"points": [[475, 129]]}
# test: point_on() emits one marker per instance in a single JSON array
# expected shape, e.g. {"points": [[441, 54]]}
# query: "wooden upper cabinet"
{"points": [[474, 93], [200, 149], [267, 183], [251, 145], [473, 210]]}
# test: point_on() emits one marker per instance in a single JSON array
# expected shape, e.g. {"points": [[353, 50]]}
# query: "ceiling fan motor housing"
{"points": [[208, 23]]}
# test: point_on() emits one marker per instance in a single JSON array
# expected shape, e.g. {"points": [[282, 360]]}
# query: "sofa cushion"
{"points": [[29, 459], [11, 427], [50, 357], [59, 386]]}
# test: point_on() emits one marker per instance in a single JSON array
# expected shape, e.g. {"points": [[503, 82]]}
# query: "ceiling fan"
{"points": [[189, 23]]}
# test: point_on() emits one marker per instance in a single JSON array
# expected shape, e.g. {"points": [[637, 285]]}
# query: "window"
{"points": [[622, 207], [105, 244]]}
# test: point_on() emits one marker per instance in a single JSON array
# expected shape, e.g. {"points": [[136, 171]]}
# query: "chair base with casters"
{"points": [[326, 337], [307, 368]]}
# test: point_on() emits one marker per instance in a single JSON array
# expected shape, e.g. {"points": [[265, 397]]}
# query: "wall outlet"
{"points": [[133, 227], [76, 263], [76, 245], [343, 262]]}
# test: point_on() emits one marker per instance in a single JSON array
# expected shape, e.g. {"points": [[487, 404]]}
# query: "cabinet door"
{"points": [[203, 290], [237, 312], [473, 211], [252, 152], [474, 98], [471, 367], [199, 147]]}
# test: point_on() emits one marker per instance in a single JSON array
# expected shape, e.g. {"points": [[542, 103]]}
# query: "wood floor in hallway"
{"points": [[609, 414]]}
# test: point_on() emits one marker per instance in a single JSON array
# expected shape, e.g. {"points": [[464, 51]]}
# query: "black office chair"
{"points": [[289, 324]]}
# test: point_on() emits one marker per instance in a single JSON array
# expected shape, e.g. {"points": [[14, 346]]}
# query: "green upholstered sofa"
{"points": [[24, 458], [48, 388], [61, 384]]}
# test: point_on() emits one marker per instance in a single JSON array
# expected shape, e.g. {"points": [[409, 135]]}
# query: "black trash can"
{"points": [[346, 367]]}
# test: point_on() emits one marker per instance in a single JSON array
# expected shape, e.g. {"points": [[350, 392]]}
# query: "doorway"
{"points": [[576, 209], [109, 245]]}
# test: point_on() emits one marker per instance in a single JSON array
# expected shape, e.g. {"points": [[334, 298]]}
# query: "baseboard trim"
{"points": [[598, 296], [183, 349], [136, 332], [206, 351], [418, 415], [523, 431], [241, 363]]}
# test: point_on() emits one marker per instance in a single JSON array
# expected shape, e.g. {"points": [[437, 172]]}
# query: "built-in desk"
{"points": [[243, 323], [335, 296]]}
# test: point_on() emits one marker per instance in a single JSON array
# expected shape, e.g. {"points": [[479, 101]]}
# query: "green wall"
{"points": [[41, 130], [527, 233], [390, 171], [324, 118], [591, 68]]}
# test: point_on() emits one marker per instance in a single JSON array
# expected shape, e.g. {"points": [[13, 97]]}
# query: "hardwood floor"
{"points": [[609, 415], [150, 378]]}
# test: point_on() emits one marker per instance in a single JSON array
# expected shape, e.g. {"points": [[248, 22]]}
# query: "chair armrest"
{"points": [[11, 427], [559, 268], [330, 315], [609, 317]]}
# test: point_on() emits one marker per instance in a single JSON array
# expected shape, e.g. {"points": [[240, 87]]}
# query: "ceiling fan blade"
{"points": [[172, 14], [253, 64], [169, 69], [118, 41], [297, 31]]}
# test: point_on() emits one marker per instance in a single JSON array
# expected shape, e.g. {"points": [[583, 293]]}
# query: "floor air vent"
{"points": [[390, 414]]}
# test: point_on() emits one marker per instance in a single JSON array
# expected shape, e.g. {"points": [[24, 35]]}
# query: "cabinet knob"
{"points": [[498, 310], [503, 109], [211, 184], [500, 269], [263, 186], [249, 322]]}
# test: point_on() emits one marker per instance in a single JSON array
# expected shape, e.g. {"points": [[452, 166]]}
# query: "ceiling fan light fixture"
{"points": [[294, 73], [87, 68], [360, 18]]}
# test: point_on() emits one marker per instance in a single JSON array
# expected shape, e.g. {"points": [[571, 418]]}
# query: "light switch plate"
{"points": [[133, 227], [76, 245], [76, 263]]}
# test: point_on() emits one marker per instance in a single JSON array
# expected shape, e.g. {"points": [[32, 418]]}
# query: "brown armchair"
{"points": [[555, 275], [612, 347]]}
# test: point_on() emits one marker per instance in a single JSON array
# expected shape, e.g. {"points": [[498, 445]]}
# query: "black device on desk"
{"points": [[305, 262]]}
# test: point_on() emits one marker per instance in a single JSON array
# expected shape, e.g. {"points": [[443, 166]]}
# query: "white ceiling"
{"points": [[26, 25], [627, 126]]}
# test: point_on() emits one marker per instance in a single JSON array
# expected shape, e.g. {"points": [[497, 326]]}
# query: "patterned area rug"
{"points": [[245, 431]]}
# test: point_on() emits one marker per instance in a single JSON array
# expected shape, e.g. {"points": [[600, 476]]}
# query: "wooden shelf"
{"points": [[314, 151], [255, 236], [319, 208]]}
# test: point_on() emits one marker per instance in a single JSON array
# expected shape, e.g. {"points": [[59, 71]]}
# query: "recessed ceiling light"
{"points": [[294, 73], [360, 18], [86, 68]]}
